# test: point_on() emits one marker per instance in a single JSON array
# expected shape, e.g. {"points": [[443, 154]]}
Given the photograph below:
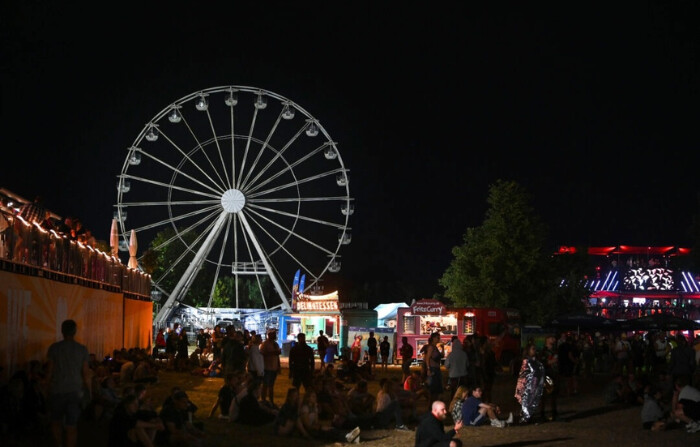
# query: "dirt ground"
{"points": [[588, 421]]}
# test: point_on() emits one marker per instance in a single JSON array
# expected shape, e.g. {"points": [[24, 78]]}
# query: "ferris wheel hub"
{"points": [[233, 201]]}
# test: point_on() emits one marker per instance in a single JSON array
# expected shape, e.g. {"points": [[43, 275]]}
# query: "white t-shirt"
{"points": [[689, 393]]}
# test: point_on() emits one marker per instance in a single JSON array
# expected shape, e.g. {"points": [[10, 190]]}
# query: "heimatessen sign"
{"points": [[428, 307]]}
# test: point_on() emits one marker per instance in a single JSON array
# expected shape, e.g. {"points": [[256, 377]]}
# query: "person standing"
{"points": [[372, 352], [356, 349], [322, 345], [256, 362], [528, 390], [431, 430], [433, 360], [406, 351], [384, 348], [68, 376], [456, 364], [270, 351], [682, 362], [203, 343], [301, 363], [550, 361]]}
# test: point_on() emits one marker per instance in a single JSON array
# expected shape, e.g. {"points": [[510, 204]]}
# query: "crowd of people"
{"points": [[22, 248], [324, 405]]}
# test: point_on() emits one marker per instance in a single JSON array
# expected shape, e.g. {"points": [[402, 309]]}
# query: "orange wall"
{"points": [[33, 308]]}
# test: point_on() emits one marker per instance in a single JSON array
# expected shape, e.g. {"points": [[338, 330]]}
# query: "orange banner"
{"points": [[33, 308]]}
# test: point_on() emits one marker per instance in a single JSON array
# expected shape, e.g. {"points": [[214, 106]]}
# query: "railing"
{"points": [[30, 249]]}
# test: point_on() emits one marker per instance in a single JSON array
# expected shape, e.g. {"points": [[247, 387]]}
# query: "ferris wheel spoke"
{"points": [[292, 233], [260, 152], [189, 247], [186, 230], [233, 148], [299, 216], [200, 146], [168, 186], [174, 203], [280, 244], [218, 148], [302, 199], [218, 265], [180, 172], [247, 146], [189, 159], [175, 218], [252, 258], [298, 182], [276, 157], [289, 167]]}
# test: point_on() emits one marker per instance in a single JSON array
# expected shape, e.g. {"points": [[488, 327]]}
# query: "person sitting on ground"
{"points": [[127, 429], [475, 412], [686, 404], [407, 400], [251, 411], [653, 415], [455, 409], [311, 422], [179, 430], [614, 390], [107, 399], [388, 407], [240, 384], [431, 430], [414, 384], [360, 400], [333, 403], [224, 397], [145, 372], [287, 420]]}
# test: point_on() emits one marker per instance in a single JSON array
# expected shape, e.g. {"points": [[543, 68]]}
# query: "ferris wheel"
{"points": [[244, 184]]}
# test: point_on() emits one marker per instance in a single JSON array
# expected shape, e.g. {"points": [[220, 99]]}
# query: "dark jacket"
{"points": [[431, 433]]}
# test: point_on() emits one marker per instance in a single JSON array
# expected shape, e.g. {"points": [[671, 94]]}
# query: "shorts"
{"points": [[269, 377], [302, 379], [479, 420], [65, 407], [691, 409]]}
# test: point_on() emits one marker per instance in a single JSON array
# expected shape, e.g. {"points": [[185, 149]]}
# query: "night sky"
{"points": [[593, 109]]}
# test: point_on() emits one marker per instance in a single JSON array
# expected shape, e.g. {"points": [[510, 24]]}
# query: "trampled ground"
{"points": [[588, 421]]}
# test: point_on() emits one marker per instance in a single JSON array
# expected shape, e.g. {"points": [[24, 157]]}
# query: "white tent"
{"points": [[386, 314]]}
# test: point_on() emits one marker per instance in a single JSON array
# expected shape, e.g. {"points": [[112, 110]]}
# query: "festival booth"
{"points": [[424, 317], [310, 314]]}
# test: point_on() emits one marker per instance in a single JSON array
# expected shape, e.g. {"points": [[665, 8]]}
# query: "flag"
{"points": [[295, 288], [301, 283]]}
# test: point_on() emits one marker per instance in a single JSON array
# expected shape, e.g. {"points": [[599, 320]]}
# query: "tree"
{"points": [[503, 262], [161, 259], [250, 294]]}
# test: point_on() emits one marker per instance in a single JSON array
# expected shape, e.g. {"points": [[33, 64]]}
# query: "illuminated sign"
{"points": [[317, 305], [428, 307]]}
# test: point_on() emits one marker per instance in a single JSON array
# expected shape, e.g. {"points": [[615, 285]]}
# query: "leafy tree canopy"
{"points": [[504, 262]]}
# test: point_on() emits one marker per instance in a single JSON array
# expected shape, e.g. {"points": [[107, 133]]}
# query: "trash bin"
{"points": [[286, 347]]}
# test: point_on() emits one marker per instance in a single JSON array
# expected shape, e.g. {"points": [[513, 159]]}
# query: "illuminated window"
{"points": [[446, 324], [409, 324], [469, 325]]}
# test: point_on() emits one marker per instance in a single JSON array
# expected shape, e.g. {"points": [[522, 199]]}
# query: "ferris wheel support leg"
{"points": [[185, 281], [285, 304]]}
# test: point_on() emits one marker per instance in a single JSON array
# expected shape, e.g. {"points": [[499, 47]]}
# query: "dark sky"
{"points": [[594, 109]]}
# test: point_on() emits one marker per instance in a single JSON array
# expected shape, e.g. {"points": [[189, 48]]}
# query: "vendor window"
{"points": [[446, 324]]}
